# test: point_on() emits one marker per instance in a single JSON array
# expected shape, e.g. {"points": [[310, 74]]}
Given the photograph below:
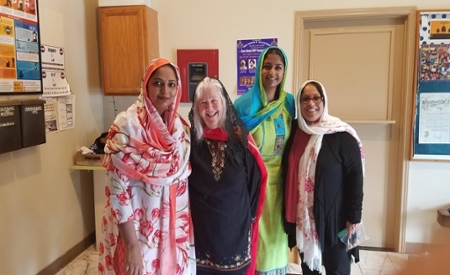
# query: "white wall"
{"points": [[102, 3], [46, 207], [428, 190], [205, 24], [218, 24]]}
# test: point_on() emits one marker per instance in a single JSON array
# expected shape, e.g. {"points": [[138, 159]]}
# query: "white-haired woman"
{"points": [[227, 184]]}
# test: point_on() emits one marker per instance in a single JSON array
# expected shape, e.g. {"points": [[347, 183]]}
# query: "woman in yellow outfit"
{"points": [[267, 110]]}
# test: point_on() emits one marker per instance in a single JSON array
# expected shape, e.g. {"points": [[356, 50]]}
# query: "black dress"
{"points": [[338, 194], [223, 204]]}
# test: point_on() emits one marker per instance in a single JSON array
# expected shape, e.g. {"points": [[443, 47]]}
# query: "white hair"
{"points": [[214, 85]]}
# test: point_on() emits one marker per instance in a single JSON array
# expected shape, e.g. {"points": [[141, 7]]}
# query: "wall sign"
{"points": [[248, 51], [431, 139], [20, 61]]}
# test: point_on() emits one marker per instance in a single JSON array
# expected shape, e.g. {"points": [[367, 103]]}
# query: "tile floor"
{"points": [[371, 263]]}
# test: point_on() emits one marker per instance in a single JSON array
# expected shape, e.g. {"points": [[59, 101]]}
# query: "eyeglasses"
{"points": [[315, 99]]}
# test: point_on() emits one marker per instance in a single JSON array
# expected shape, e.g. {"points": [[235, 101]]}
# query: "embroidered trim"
{"points": [[280, 135], [218, 157], [277, 271], [233, 262]]}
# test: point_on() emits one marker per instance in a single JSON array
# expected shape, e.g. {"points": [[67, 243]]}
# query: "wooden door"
{"points": [[364, 60]]}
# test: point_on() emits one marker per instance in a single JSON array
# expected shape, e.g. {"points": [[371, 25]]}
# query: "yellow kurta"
{"points": [[269, 124], [270, 137]]}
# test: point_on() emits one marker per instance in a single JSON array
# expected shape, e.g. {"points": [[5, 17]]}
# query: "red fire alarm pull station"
{"points": [[194, 66]]}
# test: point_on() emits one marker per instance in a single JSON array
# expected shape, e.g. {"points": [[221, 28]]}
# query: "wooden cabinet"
{"points": [[128, 42]]}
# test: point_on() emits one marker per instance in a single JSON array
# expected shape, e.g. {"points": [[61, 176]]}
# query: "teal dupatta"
{"points": [[253, 107]]}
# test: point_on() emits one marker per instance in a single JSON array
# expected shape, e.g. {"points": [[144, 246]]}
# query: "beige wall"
{"points": [[47, 208], [218, 24]]}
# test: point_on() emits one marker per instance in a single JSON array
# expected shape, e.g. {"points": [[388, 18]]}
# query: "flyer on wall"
{"points": [[20, 68], [51, 115], [434, 118], [248, 51], [59, 113], [66, 114], [54, 79]]}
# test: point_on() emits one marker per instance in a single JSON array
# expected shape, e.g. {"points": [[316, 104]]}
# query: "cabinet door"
{"points": [[125, 51]]}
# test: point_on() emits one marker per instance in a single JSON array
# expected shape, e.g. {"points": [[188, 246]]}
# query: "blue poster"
{"points": [[248, 52], [28, 70]]}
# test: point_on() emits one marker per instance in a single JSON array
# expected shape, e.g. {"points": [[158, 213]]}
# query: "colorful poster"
{"points": [[20, 68], [435, 62], [434, 47], [248, 52], [432, 97], [24, 9]]}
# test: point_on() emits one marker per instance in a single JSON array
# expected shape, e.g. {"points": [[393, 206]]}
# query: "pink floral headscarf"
{"points": [[154, 150], [142, 132]]}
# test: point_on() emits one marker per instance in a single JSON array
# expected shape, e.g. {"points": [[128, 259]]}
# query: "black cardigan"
{"points": [[338, 190]]}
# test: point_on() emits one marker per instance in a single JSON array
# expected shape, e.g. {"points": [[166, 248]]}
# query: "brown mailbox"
{"points": [[33, 122], [10, 137]]}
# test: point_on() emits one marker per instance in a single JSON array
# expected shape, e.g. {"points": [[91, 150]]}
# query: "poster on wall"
{"points": [[434, 47], [51, 115], [248, 51], [432, 97], [434, 118], [54, 79], [59, 113], [66, 115], [20, 65]]}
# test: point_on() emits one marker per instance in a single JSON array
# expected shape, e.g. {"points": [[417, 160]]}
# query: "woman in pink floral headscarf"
{"points": [[147, 223]]}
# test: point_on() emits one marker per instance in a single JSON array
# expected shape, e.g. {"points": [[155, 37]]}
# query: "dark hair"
{"points": [[318, 87], [281, 55], [99, 144], [277, 52]]}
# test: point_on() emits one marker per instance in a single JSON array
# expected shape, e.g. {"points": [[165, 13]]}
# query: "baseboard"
{"points": [[70, 255], [382, 249], [420, 248]]}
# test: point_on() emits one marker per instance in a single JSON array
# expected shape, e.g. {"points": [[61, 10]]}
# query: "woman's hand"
{"points": [[134, 261], [133, 265], [352, 228]]}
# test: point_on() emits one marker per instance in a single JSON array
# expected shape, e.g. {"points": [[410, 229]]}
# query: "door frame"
{"points": [[408, 15]]}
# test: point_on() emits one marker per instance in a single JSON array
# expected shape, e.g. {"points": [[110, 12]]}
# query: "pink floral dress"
{"points": [[147, 158]]}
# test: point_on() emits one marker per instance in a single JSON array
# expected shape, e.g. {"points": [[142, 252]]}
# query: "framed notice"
{"points": [[431, 116], [20, 60]]}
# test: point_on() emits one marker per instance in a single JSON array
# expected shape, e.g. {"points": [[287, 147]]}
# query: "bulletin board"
{"points": [[431, 118], [20, 61]]}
